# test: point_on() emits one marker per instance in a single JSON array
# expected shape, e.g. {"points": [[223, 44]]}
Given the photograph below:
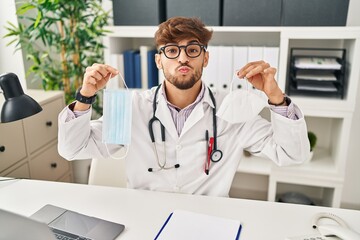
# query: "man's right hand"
{"points": [[95, 78]]}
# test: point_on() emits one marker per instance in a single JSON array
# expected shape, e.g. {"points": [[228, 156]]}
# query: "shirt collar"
{"points": [[197, 100]]}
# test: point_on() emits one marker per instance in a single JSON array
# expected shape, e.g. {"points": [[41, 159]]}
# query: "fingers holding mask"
{"points": [[96, 77], [253, 68]]}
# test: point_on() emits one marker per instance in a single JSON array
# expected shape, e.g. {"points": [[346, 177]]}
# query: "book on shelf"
{"points": [[137, 66], [137, 70], [152, 70], [129, 67], [317, 63]]}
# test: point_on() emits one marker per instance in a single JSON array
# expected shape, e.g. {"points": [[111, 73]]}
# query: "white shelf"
{"points": [[322, 166], [329, 118], [255, 165]]}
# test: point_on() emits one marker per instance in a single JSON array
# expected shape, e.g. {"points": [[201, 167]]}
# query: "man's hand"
{"points": [[95, 78], [261, 75]]}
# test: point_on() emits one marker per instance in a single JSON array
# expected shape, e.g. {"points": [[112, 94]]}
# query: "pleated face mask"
{"points": [[240, 105], [117, 116]]}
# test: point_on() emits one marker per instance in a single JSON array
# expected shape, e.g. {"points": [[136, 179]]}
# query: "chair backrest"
{"points": [[108, 172]]}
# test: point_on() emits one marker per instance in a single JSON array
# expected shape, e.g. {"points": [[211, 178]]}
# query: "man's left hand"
{"points": [[262, 76]]}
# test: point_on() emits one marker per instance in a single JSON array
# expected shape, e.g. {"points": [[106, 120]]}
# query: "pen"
{"points": [[207, 150], [210, 148]]}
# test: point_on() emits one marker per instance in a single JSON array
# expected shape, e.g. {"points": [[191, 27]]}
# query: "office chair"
{"points": [[108, 172]]}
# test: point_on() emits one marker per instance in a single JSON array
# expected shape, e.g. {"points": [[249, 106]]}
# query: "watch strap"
{"points": [[83, 99]]}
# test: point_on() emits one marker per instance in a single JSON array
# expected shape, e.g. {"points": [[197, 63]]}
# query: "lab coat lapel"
{"points": [[195, 116], [164, 115], [198, 113]]}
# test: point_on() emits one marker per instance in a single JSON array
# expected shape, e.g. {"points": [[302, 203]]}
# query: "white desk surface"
{"points": [[144, 212]]}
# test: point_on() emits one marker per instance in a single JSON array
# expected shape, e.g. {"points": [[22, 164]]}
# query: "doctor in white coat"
{"points": [[201, 151]]}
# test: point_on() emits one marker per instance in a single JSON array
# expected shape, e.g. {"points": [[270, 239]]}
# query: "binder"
{"points": [[256, 53], [129, 68], [115, 82], [193, 226], [210, 73], [137, 70], [225, 68], [144, 65], [240, 59], [271, 56], [152, 70]]}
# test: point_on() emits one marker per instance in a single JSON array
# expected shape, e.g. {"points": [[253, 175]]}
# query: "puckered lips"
{"points": [[184, 69]]}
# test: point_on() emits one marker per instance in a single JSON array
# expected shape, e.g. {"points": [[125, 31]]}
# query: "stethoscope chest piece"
{"points": [[216, 155]]}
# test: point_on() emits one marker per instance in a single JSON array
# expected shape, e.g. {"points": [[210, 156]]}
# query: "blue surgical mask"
{"points": [[117, 115]]}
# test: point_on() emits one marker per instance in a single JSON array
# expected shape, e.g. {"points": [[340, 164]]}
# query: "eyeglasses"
{"points": [[192, 50]]}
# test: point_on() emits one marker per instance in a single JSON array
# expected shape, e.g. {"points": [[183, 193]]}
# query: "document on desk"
{"points": [[193, 226]]}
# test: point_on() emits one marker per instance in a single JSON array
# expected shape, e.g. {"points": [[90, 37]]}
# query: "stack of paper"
{"points": [[314, 86], [317, 63], [182, 225], [318, 76]]}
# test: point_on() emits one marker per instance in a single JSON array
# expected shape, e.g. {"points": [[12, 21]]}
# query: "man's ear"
{"points": [[206, 58], [158, 61]]}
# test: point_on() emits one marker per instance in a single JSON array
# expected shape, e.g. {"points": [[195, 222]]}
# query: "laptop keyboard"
{"points": [[67, 236]]}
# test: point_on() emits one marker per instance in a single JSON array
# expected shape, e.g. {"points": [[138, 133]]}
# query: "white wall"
{"points": [[351, 192], [10, 61]]}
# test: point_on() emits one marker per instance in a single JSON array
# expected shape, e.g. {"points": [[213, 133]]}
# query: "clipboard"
{"points": [[188, 225]]}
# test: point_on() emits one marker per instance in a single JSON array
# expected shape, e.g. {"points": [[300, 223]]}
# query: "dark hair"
{"points": [[176, 29]]}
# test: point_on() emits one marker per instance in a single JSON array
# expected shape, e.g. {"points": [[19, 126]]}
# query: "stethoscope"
{"points": [[215, 154]]}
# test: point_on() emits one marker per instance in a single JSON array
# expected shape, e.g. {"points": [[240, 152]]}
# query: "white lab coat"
{"points": [[284, 141]]}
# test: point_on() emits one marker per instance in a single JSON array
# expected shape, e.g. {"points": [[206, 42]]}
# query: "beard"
{"points": [[180, 82]]}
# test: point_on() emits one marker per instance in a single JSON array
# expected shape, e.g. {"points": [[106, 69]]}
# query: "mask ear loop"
{"points": [[127, 147]]}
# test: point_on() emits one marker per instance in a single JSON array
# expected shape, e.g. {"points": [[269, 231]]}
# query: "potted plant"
{"points": [[312, 139], [61, 38]]}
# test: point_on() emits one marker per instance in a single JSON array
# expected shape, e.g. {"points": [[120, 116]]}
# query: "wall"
{"points": [[10, 61], [351, 192]]}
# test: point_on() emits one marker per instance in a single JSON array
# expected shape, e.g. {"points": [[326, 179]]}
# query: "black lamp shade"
{"points": [[17, 105]]}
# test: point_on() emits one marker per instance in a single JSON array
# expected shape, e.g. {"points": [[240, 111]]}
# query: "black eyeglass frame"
{"points": [[162, 49]]}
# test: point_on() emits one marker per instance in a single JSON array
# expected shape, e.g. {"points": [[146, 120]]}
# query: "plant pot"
{"points": [[310, 157]]}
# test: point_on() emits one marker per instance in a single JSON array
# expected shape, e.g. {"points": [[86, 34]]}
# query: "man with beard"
{"points": [[178, 143]]}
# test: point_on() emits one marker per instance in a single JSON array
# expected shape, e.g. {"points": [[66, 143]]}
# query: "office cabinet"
{"points": [[314, 12], [252, 12], [28, 147], [208, 11], [330, 118]]}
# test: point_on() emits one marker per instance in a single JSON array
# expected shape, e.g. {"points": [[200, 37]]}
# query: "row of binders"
{"points": [[139, 69], [225, 61]]}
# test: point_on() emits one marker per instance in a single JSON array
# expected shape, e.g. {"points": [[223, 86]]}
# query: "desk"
{"points": [[144, 212]]}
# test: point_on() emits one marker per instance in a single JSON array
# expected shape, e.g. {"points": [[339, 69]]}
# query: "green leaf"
{"points": [[38, 19], [11, 42], [24, 8]]}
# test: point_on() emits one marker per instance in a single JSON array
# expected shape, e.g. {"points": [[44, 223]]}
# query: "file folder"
{"points": [[188, 225]]}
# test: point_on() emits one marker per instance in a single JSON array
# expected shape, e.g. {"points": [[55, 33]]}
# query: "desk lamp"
{"points": [[17, 105]]}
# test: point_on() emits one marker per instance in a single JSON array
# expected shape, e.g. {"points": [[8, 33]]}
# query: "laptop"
{"points": [[52, 222]]}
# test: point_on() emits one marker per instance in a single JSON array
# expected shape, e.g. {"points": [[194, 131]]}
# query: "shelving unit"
{"points": [[329, 118], [29, 146]]}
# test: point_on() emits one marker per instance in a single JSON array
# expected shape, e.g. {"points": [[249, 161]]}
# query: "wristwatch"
{"points": [[286, 100], [83, 99]]}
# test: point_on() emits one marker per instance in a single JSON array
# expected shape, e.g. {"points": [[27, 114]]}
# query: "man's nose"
{"points": [[183, 58]]}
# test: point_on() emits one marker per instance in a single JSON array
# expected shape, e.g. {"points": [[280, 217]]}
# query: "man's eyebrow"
{"points": [[175, 44], [193, 41]]}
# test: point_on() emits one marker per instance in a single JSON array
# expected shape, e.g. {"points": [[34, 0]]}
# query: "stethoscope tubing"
{"points": [[215, 155]]}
